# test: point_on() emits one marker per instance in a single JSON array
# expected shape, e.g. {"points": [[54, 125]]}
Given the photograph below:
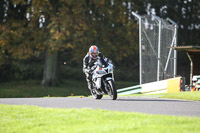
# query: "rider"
{"points": [[88, 63]]}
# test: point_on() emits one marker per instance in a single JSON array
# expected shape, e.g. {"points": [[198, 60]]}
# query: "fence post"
{"points": [[175, 44], [159, 43], [140, 44]]}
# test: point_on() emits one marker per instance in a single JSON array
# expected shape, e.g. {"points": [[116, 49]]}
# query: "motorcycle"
{"points": [[103, 80]]}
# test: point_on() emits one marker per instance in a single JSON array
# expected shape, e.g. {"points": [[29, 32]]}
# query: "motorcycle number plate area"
{"points": [[101, 72]]}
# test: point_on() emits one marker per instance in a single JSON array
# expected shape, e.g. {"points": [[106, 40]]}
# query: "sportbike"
{"points": [[103, 80]]}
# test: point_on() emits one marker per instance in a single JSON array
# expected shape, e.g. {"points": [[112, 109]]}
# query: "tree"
{"points": [[64, 25], [35, 27], [13, 31], [185, 13]]}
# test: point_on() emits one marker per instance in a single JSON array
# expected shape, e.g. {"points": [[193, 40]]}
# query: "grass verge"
{"points": [[23, 118], [32, 88], [195, 96]]}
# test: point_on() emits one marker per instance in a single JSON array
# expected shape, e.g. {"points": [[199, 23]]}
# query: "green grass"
{"points": [[195, 96], [33, 119], [32, 88]]}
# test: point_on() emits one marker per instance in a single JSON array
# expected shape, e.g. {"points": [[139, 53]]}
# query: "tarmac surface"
{"points": [[150, 105]]}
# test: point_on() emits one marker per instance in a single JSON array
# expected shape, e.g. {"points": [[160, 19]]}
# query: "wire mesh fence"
{"points": [[157, 60], [150, 29]]}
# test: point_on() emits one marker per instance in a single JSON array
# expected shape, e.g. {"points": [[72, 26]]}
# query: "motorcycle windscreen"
{"points": [[102, 62]]}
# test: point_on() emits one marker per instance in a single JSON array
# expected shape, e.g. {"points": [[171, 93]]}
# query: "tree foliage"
{"points": [[185, 12], [38, 28]]}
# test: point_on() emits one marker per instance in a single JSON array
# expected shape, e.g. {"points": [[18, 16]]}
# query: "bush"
{"points": [[21, 70]]}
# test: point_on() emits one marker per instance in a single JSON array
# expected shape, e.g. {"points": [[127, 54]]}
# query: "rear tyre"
{"points": [[112, 90]]}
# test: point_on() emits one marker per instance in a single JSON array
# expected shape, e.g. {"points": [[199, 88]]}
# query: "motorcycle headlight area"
{"points": [[101, 72]]}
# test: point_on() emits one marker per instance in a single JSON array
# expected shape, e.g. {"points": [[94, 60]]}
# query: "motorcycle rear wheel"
{"points": [[112, 90]]}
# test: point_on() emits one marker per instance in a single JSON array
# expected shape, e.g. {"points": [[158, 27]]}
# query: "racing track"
{"points": [[126, 104]]}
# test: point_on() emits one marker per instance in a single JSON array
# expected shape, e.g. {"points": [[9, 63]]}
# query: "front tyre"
{"points": [[95, 95], [112, 90]]}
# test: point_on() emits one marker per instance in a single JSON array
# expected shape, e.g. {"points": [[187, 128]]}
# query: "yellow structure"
{"points": [[173, 85]]}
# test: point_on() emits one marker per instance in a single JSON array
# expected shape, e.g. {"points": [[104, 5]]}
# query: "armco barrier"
{"points": [[164, 86], [130, 90], [154, 86]]}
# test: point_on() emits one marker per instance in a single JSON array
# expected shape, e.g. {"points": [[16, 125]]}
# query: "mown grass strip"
{"points": [[195, 96], [33, 88], [48, 120]]}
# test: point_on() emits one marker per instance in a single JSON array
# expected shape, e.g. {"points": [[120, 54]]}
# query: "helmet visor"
{"points": [[94, 55]]}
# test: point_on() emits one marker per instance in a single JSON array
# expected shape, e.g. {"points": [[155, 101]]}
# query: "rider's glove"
{"points": [[93, 68]]}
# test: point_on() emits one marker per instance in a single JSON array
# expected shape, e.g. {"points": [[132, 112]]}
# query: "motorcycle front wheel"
{"points": [[95, 95], [112, 90]]}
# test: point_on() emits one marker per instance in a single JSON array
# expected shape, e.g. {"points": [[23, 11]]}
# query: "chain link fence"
{"points": [[157, 59]]}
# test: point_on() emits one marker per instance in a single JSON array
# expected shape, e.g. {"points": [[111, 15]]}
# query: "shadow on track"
{"points": [[156, 100]]}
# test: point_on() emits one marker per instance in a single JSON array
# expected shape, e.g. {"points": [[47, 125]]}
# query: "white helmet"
{"points": [[93, 51]]}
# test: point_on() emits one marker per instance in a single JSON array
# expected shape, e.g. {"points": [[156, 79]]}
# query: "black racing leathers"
{"points": [[88, 64]]}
